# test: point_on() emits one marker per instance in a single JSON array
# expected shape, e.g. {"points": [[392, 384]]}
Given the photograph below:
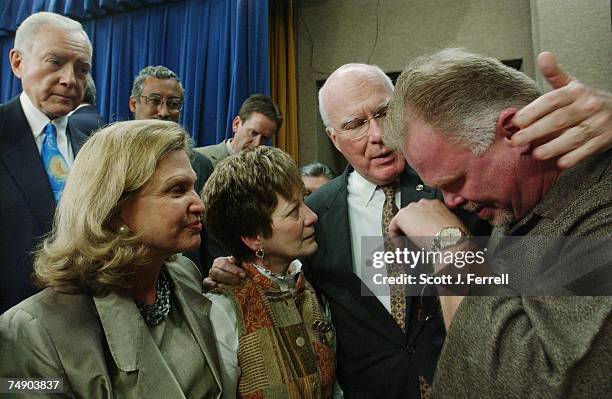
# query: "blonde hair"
{"points": [[458, 93], [83, 253], [241, 195], [24, 37]]}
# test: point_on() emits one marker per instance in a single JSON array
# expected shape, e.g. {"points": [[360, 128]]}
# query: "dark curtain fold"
{"points": [[219, 49]]}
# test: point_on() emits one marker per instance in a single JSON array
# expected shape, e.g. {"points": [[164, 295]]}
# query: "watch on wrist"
{"points": [[448, 237]]}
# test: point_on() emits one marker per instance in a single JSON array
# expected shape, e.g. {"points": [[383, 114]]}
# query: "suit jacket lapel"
{"points": [[335, 228], [412, 188], [77, 138], [133, 348], [20, 156]]}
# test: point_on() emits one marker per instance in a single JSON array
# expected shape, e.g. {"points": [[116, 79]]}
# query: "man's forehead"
{"points": [[359, 99], [53, 39], [169, 87]]}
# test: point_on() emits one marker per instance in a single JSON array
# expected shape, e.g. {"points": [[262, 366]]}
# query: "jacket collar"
{"points": [[133, 348]]}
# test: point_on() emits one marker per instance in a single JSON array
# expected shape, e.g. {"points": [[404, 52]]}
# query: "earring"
{"points": [[260, 253], [124, 230]]}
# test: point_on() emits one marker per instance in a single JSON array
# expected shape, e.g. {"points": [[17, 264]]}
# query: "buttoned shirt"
{"points": [[365, 204], [38, 120]]}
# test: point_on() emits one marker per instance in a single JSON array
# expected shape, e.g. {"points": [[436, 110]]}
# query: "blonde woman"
{"points": [[121, 315]]}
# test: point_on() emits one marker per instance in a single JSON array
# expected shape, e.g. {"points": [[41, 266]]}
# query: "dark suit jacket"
{"points": [[86, 119], [375, 359], [203, 168], [27, 205]]}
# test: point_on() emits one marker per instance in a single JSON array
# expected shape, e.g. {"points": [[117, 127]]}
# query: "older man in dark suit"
{"points": [[52, 57]]}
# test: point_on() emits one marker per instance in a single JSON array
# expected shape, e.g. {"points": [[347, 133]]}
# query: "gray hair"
{"points": [[317, 169], [24, 37], [458, 93], [157, 72], [89, 95], [362, 69]]}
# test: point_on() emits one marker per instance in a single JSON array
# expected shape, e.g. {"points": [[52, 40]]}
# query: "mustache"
{"points": [[471, 206]]}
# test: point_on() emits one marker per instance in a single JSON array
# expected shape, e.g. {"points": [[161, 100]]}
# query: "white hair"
{"points": [[365, 70], [24, 37]]}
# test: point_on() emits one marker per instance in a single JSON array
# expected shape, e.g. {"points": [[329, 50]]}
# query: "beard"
{"points": [[499, 216]]}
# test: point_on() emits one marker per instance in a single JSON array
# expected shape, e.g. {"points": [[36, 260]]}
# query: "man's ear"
{"points": [[333, 136], [132, 104], [236, 124], [253, 243], [15, 58], [505, 128]]}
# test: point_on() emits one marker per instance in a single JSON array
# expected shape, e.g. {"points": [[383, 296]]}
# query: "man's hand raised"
{"points": [[572, 121]]}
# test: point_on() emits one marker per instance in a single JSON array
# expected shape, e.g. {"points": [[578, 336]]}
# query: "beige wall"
{"points": [[578, 33], [335, 32], [343, 31]]}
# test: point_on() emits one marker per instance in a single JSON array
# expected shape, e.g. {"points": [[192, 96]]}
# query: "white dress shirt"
{"points": [[230, 148], [38, 120], [365, 205]]}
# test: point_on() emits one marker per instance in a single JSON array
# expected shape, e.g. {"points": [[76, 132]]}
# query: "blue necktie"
{"points": [[56, 166]]}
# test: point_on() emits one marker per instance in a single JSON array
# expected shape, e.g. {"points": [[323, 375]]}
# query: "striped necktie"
{"points": [[397, 292], [55, 164]]}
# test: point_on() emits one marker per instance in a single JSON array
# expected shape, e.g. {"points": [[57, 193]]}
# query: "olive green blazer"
{"points": [[215, 152], [101, 347]]}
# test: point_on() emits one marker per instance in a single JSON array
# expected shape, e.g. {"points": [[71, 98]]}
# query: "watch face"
{"points": [[450, 235]]}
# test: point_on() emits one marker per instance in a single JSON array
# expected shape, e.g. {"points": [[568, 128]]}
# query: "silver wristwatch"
{"points": [[448, 237]]}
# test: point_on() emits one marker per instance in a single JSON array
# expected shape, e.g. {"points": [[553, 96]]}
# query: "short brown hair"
{"points": [[261, 104], [241, 195]]}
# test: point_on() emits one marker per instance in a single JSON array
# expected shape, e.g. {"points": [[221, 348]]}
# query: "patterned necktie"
{"points": [[55, 165], [397, 292]]}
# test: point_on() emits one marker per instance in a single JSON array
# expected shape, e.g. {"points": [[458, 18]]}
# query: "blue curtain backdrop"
{"points": [[219, 49]]}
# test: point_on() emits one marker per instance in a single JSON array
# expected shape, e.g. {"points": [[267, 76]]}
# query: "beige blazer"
{"points": [[101, 347], [215, 152]]}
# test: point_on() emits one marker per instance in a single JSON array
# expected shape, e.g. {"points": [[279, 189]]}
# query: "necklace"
{"points": [[157, 312]]}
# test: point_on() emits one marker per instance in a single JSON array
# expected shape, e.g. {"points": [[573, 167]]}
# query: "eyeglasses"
{"points": [[359, 127], [173, 104]]}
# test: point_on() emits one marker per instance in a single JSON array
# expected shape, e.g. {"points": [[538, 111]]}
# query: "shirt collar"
{"points": [[230, 149], [285, 281], [361, 189], [37, 119]]}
